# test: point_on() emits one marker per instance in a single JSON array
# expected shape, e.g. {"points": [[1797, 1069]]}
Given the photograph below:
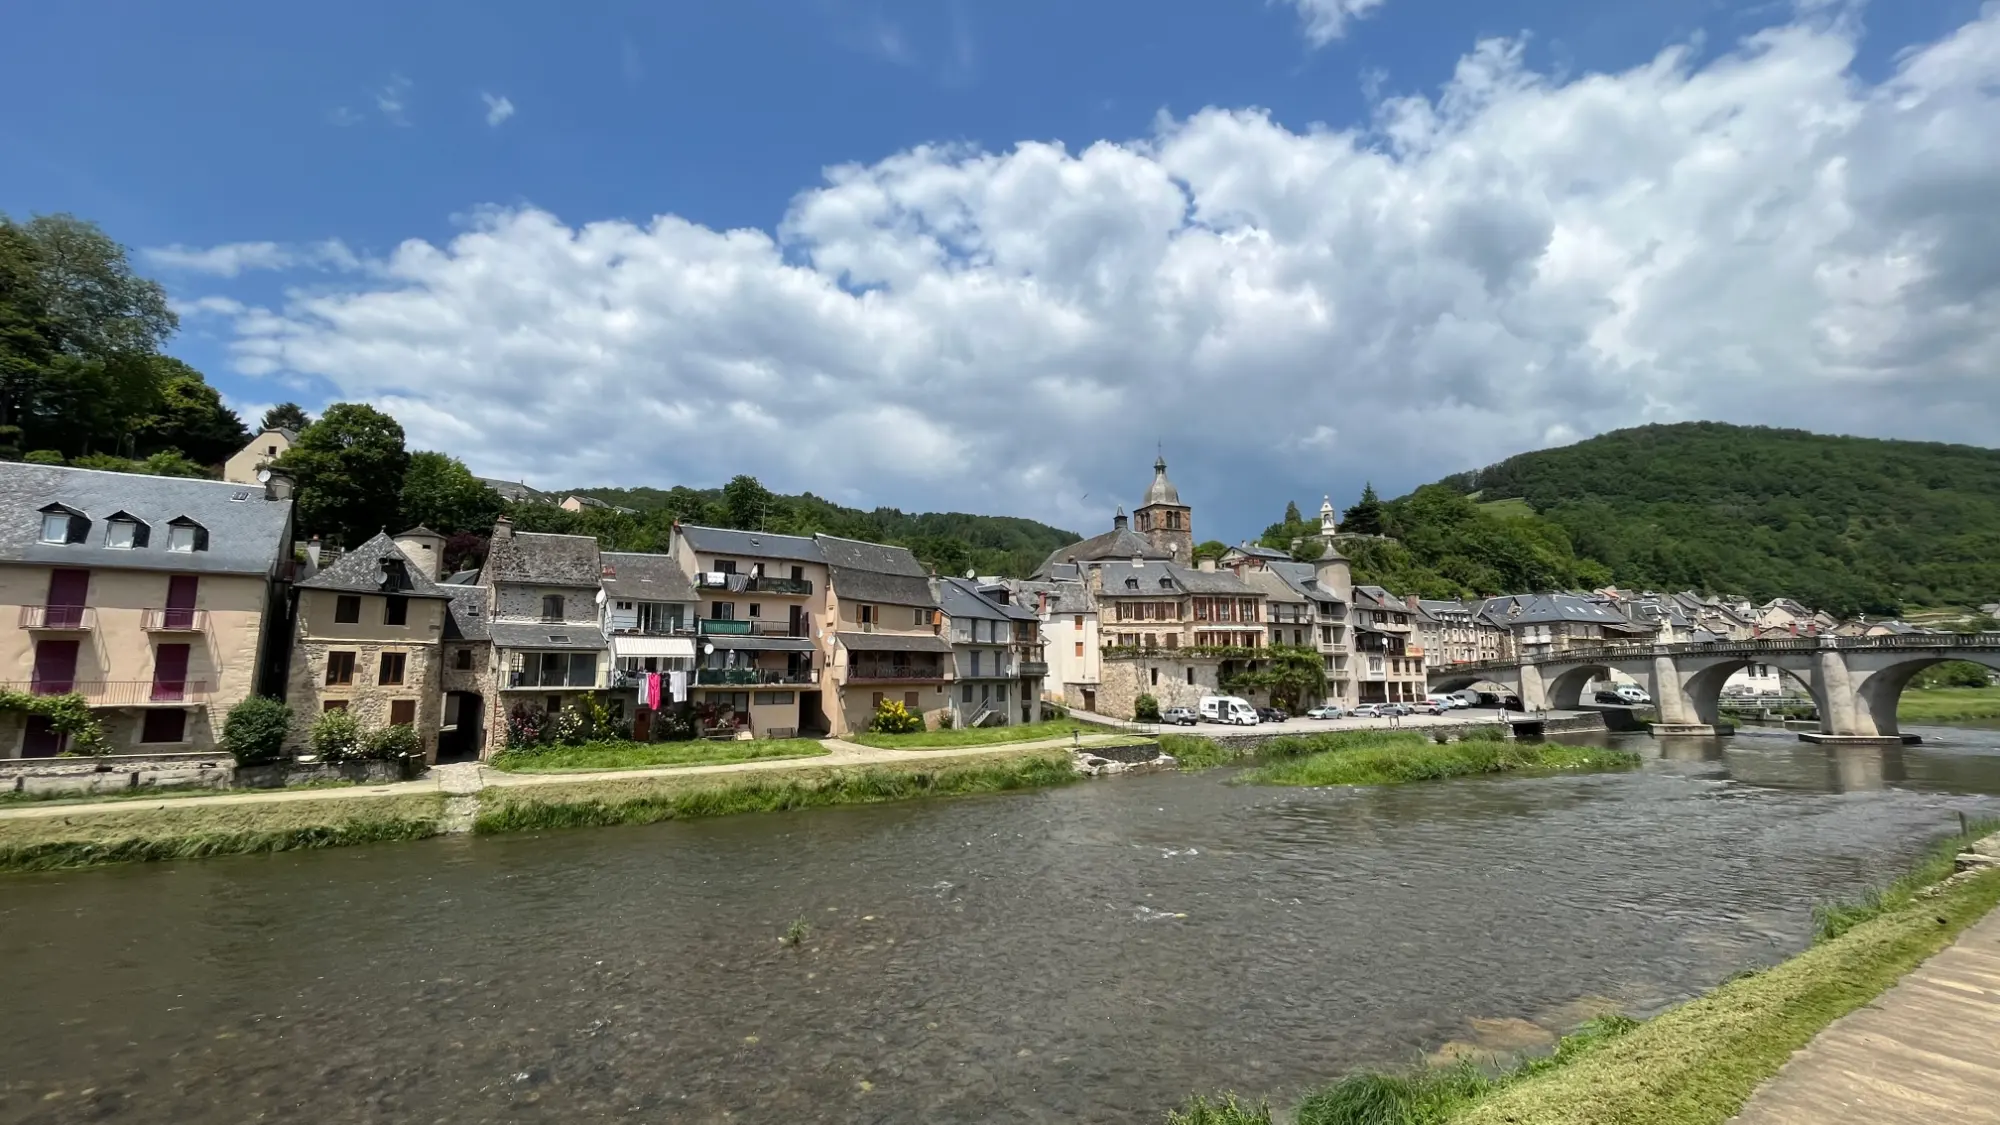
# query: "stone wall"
{"points": [[514, 601], [308, 692], [1166, 679], [123, 773]]}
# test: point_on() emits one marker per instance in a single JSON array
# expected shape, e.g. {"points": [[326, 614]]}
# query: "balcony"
{"points": [[794, 587], [896, 673], [59, 618], [174, 620], [750, 627], [555, 670], [1034, 669], [121, 693], [719, 677]]}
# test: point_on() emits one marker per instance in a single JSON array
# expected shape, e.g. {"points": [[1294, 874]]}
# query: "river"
{"points": [[1092, 953]]}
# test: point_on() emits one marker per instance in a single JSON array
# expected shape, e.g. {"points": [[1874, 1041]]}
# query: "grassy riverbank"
{"points": [[644, 800], [1943, 705], [1398, 757], [1692, 1065], [976, 736], [651, 755], [44, 843]]}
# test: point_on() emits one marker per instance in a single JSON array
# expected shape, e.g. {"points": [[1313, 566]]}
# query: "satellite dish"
{"points": [[707, 650], [971, 573], [600, 595], [263, 476]]}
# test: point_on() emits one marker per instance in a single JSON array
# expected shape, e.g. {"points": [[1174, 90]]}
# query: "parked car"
{"points": [[1445, 700], [1325, 711], [1369, 711], [1179, 716], [1271, 715], [1431, 707], [1609, 697]]}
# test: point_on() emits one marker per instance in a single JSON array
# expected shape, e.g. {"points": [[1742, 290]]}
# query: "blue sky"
{"points": [[234, 124]]}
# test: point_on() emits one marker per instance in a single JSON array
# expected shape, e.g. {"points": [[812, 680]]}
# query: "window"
{"points": [[270, 451], [463, 659], [1154, 673], [1000, 693], [726, 566], [124, 534], [582, 669], [920, 617], [347, 609], [1190, 675], [1079, 621], [396, 610], [975, 662], [911, 702], [756, 609], [878, 701], [773, 698], [391, 671], [339, 668], [333, 705], [1079, 648], [552, 607], [798, 574], [402, 712], [185, 535], [722, 611], [164, 724], [865, 614], [965, 694], [55, 527]]}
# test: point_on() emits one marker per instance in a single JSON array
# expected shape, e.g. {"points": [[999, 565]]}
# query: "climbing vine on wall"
{"points": [[67, 714]]}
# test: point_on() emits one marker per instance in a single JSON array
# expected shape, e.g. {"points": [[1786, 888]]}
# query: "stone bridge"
{"points": [[1856, 681]]}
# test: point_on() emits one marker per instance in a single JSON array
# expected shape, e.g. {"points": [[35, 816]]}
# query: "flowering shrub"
{"points": [[335, 737], [893, 718]]}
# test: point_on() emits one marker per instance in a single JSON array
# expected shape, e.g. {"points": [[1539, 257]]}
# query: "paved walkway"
{"points": [[1926, 1051], [470, 777]]}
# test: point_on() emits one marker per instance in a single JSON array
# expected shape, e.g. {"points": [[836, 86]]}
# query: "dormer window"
{"points": [[64, 525], [184, 535], [1131, 583], [125, 531]]}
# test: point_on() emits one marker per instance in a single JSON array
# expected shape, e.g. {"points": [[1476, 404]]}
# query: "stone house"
{"points": [[466, 676], [996, 654], [367, 636], [266, 447], [887, 635], [1318, 594], [649, 617], [542, 620], [1389, 651], [1544, 624], [159, 600], [1069, 636], [760, 644]]}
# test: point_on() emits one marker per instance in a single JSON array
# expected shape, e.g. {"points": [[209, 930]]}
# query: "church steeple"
{"points": [[1329, 520], [1166, 522]]}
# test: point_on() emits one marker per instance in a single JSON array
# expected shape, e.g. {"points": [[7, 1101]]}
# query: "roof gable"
{"points": [[246, 532]]}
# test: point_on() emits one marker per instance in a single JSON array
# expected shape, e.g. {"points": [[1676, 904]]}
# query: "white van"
{"points": [[1466, 697], [1228, 709], [1632, 694]]}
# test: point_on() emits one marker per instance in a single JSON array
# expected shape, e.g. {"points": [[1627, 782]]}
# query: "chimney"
{"points": [[503, 528], [1410, 600], [278, 484], [1119, 521], [1206, 565], [312, 551]]}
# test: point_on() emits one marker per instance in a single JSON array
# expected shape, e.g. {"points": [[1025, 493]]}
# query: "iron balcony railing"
{"points": [[756, 676], [62, 618], [898, 673], [174, 620], [1033, 668], [751, 627], [1990, 640], [119, 693]]}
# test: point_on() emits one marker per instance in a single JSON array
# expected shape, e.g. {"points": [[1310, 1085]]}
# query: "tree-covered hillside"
{"points": [[1847, 524], [953, 542]]}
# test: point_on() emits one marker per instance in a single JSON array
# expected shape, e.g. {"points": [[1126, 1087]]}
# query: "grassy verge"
{"points": [[87, 839], [644, 800], [1939, 705], [646, 755], [1834, 918], [46, 798], [975, 736], [1194, 752], [1693, 1065], [1392, 758]]}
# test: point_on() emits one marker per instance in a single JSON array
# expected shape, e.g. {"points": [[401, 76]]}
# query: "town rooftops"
{"points": [[541, 559], [632, 576], [376, 567], [546, 635], [875, 572], [1538, 609], [1275, 587], [1259, 551], [515, 491], [465, 617], [751, 544], [1303, 577], [1063, 596], [173, 523], [961, 597], [1130, 579]]}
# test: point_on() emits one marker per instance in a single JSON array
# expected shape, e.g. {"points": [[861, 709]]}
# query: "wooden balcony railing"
{"points": [[896, 673]]}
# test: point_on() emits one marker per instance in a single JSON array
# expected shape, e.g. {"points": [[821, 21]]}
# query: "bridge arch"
{"points": [[1881, 688], [1704, 685], [1566, 690]]}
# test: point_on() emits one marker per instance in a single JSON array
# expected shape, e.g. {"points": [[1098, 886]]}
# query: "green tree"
{"points": [[440, 493], [747, 504], [85, 283], [1292, 512], [1210, 549], [349, 467], [190, 418], [286, 416], [1365, 517], [1294, 675]]}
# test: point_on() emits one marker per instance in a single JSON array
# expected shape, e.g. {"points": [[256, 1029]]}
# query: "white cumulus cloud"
{"points": [[498, 108], [233, 258], [1327, 20], [1761, 237]]}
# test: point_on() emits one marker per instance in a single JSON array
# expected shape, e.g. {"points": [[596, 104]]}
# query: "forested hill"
{"points": [[1849, 524], [953, 542]]}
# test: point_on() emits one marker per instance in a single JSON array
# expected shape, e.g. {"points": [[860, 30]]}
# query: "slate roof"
{"points": [[1162, 490], [514, 491], [894, 642], [1274, 587], [1303, 577], [541, 559], [1181, 579], [751, 544], [961, 597], [361, 571], [1118, 543], [1068, 596], [638, 577], [1256, 551], [465, 617], [462, 578], [1537, 609], [538, 635], [1443, 607], [247, 534], [873, 572]]}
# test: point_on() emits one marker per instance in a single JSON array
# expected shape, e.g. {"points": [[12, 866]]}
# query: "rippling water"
{"points": [[1087, 954]]}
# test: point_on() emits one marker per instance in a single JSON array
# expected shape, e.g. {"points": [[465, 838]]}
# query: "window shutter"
{"points": [[79, 528], [200, 538], [142, 534]]}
